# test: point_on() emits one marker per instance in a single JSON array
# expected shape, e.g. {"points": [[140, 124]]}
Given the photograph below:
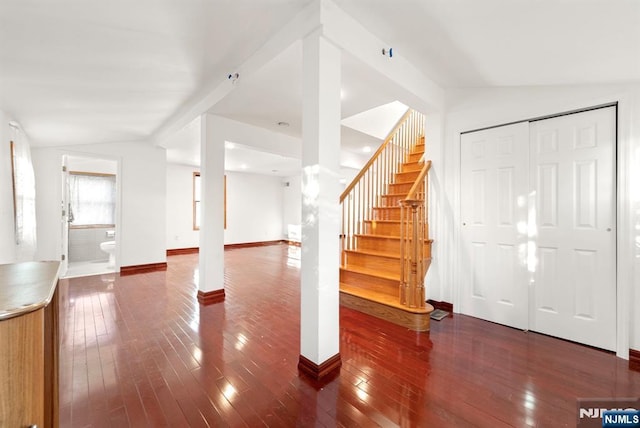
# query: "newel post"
{"points": [[412, 281]]}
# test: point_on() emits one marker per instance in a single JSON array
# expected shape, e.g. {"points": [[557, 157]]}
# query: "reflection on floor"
{"points": [[139, 351], [96, 267]]}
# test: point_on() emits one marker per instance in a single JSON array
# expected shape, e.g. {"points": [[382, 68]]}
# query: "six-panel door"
{"points": [[538, 226]]}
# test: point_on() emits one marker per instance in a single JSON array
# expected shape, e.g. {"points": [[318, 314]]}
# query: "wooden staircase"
{"points": [[376, 259]]}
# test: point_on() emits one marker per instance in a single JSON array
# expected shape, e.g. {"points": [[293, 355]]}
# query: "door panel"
{"points": [[494, 214], [538, 226], [572, 165]]}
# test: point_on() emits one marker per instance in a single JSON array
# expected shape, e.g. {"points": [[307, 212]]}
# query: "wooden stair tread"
{"points": [[375, 253], [375, 236], [383, 298], [371, 272], [383, 221]]}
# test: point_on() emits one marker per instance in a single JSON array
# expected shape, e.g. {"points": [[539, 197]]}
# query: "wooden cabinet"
{"points": [[29, 344]]}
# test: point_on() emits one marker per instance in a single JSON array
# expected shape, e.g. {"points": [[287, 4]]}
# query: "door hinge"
{"points": [[64, 168], [63, 257]]}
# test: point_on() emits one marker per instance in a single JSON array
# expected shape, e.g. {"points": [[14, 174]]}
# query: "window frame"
{"points": [[195, 201]]}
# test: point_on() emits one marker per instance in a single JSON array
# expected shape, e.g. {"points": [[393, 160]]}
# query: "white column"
{"points": [[319, 315], [211, 273]]}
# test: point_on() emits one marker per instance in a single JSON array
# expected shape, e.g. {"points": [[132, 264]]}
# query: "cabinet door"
{"points": [[22, 370]]}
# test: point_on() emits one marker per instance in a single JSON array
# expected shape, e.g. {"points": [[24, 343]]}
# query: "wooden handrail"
{"points": [[416, 185], [364, 169]]}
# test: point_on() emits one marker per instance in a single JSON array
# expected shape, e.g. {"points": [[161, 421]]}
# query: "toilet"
{"points": [[109, 247]]}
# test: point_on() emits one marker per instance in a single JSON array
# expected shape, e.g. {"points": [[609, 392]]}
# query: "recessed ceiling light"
{"points": [[243, 166], [283, 124], [366, 149], [229, 145], [343, 181]]}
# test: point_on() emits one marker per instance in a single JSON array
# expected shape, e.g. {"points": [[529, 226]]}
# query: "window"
{"points": [[196, 201], [92, 199], [197, 198]]}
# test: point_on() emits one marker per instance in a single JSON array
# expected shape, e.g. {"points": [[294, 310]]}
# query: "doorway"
{"points": [[89, 207], [538, 226]]}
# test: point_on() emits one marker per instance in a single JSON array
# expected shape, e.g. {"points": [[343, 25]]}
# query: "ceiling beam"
{"points": [[414, 88], [305, 22]]}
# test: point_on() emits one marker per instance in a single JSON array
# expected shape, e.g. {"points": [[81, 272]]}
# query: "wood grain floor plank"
{"points": [[140, 351]]}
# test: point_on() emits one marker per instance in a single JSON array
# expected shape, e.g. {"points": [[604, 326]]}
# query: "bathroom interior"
{"points": [[90, 188]]}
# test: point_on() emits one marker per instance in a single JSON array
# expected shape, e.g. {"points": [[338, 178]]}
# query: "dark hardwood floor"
{"points": [[139, 351]]}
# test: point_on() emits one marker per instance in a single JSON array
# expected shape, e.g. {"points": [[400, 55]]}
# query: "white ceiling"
{"points": [[184, 148], [89, 71], [471, 43], [274, 94]]}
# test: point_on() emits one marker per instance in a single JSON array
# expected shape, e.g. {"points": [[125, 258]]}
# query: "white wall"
{"points": [[472, 109], [292, 199], [254, 208], [84, 164], [141, 229], [292, 207], [7, 243], [180, 233]]}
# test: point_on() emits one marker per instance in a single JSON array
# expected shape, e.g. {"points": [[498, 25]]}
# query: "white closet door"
{"points": [[494, 185], [572, 174]]}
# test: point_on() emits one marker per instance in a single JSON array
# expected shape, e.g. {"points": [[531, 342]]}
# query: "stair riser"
{"points": [[390, 229], [369, 282], [412, 321], [386, 214], [407, 177], [407, 167], [392, 200], [399, 188], [414, 157], [378, 244], [369, 261], [376, 228], [386, 245]]}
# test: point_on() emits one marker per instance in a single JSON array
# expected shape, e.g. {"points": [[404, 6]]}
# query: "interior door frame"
{"points": [[118, 219], [623, 264], [64, 219]]}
